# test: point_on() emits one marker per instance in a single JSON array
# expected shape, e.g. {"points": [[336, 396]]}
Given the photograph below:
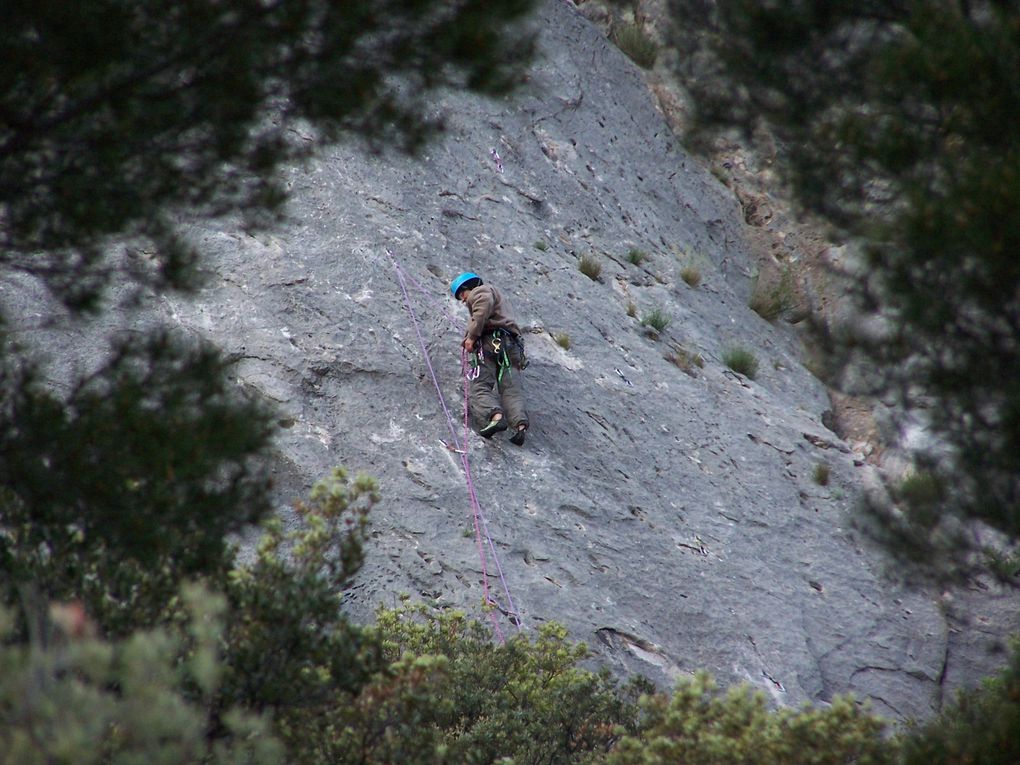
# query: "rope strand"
{"points": [[479, 520]]}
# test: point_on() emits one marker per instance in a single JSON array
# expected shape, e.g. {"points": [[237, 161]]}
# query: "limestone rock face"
{"points": [[669, 512]]}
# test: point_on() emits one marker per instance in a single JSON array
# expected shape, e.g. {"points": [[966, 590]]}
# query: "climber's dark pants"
{"points": [[489, 394]]}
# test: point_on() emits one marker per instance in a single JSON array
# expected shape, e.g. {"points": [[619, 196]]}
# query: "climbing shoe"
{"points": [[494, 427], [518, 437]]}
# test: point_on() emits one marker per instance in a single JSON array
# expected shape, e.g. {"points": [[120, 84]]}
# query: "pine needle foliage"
{"points": [[898, 127], [117, 120], [127, 486]]}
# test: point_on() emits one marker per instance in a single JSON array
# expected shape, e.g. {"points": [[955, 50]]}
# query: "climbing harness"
{"points": [[501, 340], [460, 448]]}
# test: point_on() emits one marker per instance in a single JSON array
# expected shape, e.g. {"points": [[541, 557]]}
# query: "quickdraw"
{"points": [[502, 359], [474, 367]]}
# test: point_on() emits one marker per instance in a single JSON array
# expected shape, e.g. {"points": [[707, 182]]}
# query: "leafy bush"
{"points": [[741, 361], [770, 298], [590, 266], [288, 648], [698, 725], [449, 694]]}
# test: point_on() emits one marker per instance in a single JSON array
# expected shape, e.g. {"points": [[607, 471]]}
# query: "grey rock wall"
{"points": [[670, 518]]}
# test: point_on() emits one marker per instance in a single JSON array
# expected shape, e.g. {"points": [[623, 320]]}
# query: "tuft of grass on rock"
{"points": [[562, 339], [686, 361], [636, 256], [541, 245], [590, 266], [741, 361], [656, 319], [822, 472], [632, 309], [691, 275], [639, 47]]}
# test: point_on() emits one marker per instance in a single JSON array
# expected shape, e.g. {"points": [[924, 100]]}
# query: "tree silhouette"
{"points": [[896, 121]]}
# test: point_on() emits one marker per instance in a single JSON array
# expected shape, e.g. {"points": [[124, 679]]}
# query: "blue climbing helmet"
{"points": [[466, 280]]}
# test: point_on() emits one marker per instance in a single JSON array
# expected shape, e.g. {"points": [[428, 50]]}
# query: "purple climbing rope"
{"points": [[480, 522]]}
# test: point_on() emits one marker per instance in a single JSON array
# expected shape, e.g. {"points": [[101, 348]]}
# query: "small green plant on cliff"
{"points": [[656, 319], [590, 266], [639, 47], [636, 256], [686, 361], [541, 245], [691, 275], [822, 472], [562, 339], [741, 361]]}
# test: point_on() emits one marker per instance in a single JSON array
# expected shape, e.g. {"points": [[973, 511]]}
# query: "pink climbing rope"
{"points": [[480, 522]]}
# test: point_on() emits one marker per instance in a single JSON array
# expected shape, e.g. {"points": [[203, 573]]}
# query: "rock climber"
{"points": [[496, 394]]}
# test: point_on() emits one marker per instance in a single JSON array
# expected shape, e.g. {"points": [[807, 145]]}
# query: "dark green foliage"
{"points": [[979, 726], [115, 118], [899, 126], [129, 484], [288, 648]]}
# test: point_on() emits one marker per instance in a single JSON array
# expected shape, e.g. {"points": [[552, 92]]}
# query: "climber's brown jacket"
{"points": [[488, 311]]}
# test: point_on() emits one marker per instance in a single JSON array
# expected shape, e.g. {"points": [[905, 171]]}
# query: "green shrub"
{"points": [[698, 725], [562, 339], [451, 695], [636, 257], [691, 275], [978, 726], [541, 245], [639, 47], [822, 472], [742, 361], [590, 266], [288, 649], [656, 319]]}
